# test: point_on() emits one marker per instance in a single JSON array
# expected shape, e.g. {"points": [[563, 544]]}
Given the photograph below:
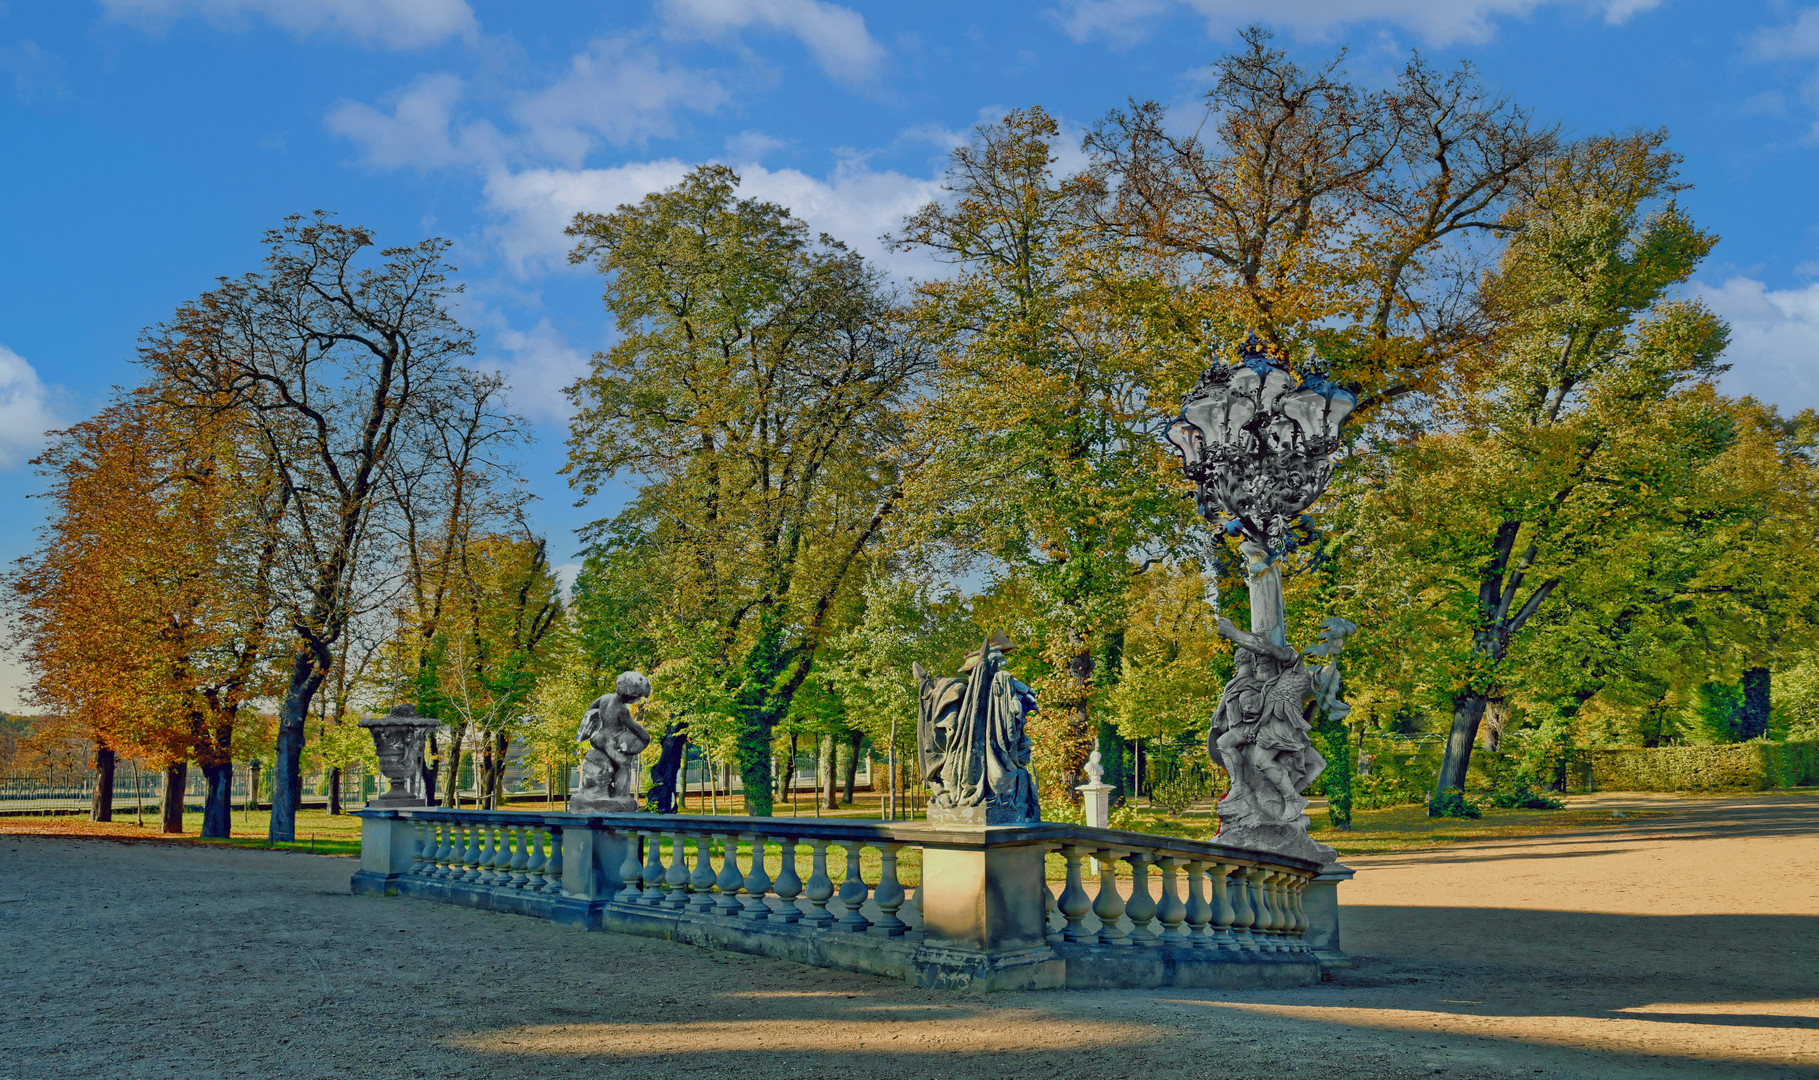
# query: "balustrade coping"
{"points": [[917, 833]]}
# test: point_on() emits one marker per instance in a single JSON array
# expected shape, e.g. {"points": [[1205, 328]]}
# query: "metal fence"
{"points": [[75, 790]]}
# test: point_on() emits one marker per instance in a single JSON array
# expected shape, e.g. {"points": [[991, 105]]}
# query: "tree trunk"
{"points": [[170, 813], [852, 764], [484, 784], [830, 774], [454, 767], [218, 801], [287, 764], [1752, 717], [1468, 711], [502, 747], [1496, 717], [101, 808], [789, 784], [428, 769]]}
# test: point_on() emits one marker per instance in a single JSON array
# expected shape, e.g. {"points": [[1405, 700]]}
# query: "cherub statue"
{"points": [[609, 769]]}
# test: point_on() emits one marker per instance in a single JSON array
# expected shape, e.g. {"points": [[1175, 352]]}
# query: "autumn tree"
{"points": [[754, 393], [1038, 446], [147, 609], [1314, 212], [347, 370]]}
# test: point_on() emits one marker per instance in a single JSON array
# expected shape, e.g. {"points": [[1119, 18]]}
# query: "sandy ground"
{"points": [[1685, 945]]}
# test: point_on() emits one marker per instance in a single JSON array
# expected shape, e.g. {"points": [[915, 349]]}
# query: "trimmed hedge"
{"points": [[1750, 766]]}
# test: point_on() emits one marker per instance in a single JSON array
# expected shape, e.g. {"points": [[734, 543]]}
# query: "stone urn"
{"points": [[398, 737]]}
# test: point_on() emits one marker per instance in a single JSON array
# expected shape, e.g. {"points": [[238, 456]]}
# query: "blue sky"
{"points": [[148, 144]]}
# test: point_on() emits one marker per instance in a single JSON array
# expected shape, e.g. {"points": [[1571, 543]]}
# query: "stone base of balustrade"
{"points": [[862, 952], [485, 897], [1100, 967], [937, 968]]}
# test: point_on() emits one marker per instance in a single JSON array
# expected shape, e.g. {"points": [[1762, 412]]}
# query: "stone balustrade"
{"points": [[979, 912]]}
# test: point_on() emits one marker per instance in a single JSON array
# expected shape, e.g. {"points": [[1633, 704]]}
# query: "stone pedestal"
{"points": [[386, 843], [1320, 902], [1096, 802], [985, 927], [587, 802]]}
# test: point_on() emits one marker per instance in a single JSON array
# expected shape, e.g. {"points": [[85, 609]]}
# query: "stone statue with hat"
{"points": [[972, 747]]}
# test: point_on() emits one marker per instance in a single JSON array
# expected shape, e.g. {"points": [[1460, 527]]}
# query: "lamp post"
{"points": [[1257, 438]]}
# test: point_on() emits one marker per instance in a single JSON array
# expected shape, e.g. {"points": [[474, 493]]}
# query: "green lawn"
{"points": [[1402, 828]]}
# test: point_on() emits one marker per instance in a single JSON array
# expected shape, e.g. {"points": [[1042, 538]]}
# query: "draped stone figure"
{"points": [[609, 769], [1260, 738], [971, 744]]}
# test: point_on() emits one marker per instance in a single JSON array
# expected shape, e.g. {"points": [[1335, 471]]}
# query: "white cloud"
{"points": [[1439, 22], [1774, 352], [392, 24], [418, 133], [1798, 40], [540, 365], [535, 205], [27, 409], [616, 91], [855, 203], [834, 35], [753, 146]]}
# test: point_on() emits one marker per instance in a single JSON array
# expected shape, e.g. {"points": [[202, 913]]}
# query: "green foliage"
{"points": [[1516, 794], [1750, 766], [1190, 780], [1383, 788], [1797, 702], [1452, 802], [756, 392]]}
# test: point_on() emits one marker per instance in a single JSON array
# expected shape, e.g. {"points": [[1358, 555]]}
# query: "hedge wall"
{"points": [[1750, 766]]}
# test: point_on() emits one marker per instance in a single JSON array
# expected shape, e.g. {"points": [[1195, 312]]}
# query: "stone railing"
{"points": [[981, 913]]}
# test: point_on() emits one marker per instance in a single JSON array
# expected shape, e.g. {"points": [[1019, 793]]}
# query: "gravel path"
{"points": [[1685, 945]]}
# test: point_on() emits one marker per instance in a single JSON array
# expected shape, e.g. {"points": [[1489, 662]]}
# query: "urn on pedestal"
{"points": [[398, 738]]}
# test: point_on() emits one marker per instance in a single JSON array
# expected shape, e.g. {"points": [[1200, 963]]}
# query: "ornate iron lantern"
{"points": [[1257, 438]]}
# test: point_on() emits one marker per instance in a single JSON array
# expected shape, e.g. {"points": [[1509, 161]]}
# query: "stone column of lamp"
{"points": [[1258, 438], [398, 738]]}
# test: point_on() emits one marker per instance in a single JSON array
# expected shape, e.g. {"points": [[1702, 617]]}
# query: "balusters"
{"points": [[852, 894], [1199, 913], [631, 871], [701, 882], [676, 880], [819, 888], [533, 862], [1225, 916], [1297, 906], [1108, 905], [489, 854], [1244, 915], [1142, 906], [444, 849], [521, 857], [419, 837], [471, 858], [1264, 882], [653, 868], [552, 870], [889, 894], [757, 883], [1074, 903], [730, 880], [788, 885], [1173, 911]]}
